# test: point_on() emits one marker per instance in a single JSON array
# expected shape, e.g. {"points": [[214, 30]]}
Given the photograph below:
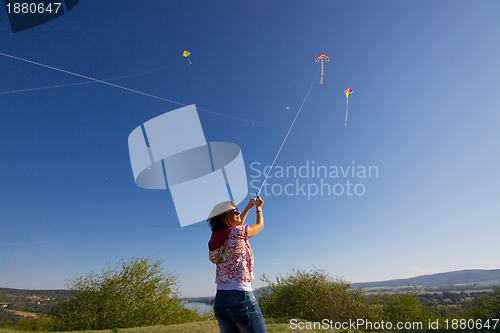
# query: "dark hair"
{"points": [[217, 223]]}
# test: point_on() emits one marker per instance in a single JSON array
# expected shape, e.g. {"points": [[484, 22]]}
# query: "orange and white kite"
{"points": [[322, 57]]}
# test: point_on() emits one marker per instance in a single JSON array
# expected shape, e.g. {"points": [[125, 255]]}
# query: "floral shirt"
{"points": [[234, 259]]}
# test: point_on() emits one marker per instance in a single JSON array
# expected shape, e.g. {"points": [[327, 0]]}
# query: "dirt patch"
{"points": [[22, 313]]}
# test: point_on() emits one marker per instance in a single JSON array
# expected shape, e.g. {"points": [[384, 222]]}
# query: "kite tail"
{"points": [[346, 105], [322, 67]]}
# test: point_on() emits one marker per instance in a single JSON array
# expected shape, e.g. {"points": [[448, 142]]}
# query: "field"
{"points": [[21, 313], [273, 326]]}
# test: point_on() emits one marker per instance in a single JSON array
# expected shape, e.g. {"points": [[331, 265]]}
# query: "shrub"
{"points": [[313, 296], [403, 306], [134, 293], [30, 324]]}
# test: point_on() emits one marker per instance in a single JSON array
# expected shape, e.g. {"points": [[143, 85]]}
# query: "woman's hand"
{"points": [[259, 202], [251, 203]]}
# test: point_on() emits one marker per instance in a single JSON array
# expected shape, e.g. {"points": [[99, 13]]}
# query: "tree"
{"points": [[8, 318], [132, 294], [483, 307], [313, 296]]}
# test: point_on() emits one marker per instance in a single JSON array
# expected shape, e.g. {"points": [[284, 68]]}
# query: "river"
{"points": [[199, 307]]}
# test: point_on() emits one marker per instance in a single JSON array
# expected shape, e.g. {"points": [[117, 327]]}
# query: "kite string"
{"points": [[132, 90], [86, 77], [289, 130], [88, 82]]}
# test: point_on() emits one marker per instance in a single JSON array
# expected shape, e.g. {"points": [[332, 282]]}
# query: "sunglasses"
{"points": [[234, 212]]}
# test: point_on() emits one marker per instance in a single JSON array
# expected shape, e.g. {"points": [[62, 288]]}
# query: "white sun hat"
{"points": [[221, 208]]}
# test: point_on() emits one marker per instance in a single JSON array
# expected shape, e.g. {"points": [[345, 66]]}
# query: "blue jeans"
{"points": [[238, 312]]}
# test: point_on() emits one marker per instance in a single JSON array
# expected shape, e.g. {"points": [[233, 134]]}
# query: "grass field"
{"points": [[273, 326]]}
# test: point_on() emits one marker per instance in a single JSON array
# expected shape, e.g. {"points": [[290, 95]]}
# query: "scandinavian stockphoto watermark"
{"points": [[358, 324], [367, 325], [171, 149], [311, 179]]}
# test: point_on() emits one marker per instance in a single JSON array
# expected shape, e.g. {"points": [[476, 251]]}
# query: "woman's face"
{"points": [[233, 217]]}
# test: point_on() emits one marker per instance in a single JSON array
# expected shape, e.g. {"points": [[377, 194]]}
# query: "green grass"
{"points": [[272, 325]]}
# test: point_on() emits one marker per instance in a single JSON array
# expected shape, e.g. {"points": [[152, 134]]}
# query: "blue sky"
{"points": [[424, 113]]}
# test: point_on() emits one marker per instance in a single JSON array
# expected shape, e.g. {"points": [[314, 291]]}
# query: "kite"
{"points": [[186, 54], [322, 57], [288, 108], [348, 93]]}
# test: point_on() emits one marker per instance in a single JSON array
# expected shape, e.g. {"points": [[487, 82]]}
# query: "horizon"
{"points": [[462, 270]]}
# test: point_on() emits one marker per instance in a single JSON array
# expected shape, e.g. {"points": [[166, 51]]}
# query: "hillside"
{"points": [[469, 276], [34, 301]]}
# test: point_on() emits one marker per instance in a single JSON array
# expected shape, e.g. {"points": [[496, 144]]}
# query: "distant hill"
{"points": [[468, 276], [34, 291], [34, 301]]}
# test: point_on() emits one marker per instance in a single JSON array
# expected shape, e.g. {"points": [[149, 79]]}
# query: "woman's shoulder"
{"points": [[240, 231]]}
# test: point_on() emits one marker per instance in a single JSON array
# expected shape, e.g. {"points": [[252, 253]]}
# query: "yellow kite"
{"points": [[186, 54]]}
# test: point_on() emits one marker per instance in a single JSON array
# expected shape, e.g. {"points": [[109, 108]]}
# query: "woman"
{"points": [[235, 307]]}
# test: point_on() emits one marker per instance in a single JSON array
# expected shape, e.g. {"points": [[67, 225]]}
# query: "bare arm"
{"points": [[243, 214], [259, 224]]}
